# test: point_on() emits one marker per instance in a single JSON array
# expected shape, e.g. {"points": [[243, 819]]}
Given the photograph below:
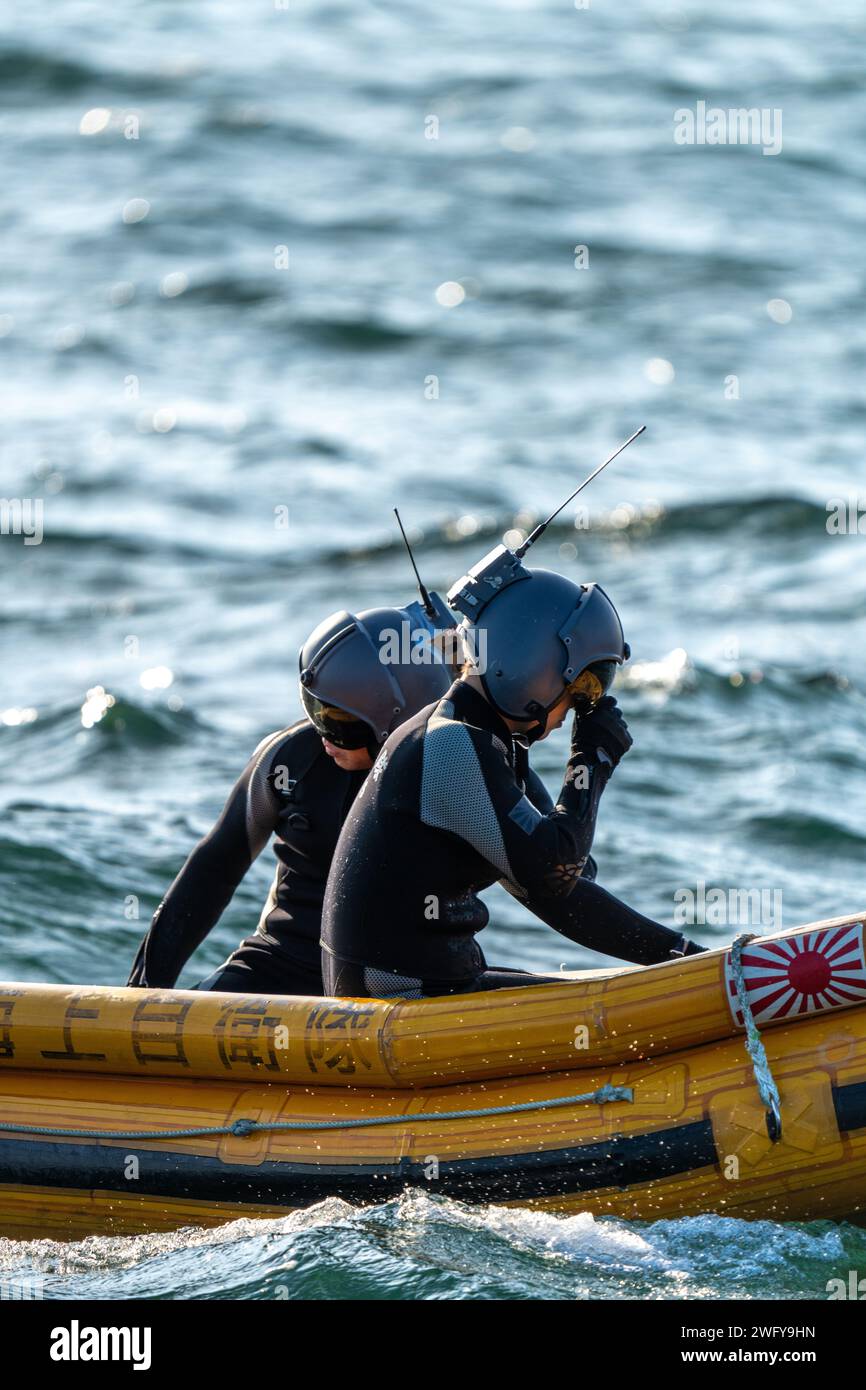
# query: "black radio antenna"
{"points": [[542, 527], [426, 601]]}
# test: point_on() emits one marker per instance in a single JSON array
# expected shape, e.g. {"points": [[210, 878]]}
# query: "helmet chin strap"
{"points": [[536, 732]]}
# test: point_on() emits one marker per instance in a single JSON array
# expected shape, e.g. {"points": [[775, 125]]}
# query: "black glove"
{"points": [[601, 728]]}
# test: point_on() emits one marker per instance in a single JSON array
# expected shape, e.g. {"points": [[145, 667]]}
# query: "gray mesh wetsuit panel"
{"points": [[454, 795], [382, 984]]}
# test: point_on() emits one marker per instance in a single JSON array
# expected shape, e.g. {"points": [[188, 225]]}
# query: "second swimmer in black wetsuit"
{"points": [[449, 807], [298, 786]]}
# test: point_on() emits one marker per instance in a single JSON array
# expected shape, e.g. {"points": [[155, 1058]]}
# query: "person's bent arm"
{"points": [[587, 914], [542, 853], [542, 856], [204, 887], [543, 801]]}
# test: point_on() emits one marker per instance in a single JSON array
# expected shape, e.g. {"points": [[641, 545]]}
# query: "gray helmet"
{"points": [[532, 633], [362, 675]]}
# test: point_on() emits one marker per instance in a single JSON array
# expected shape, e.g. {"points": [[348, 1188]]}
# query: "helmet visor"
{"points": [[339, 727], [592, 684]]}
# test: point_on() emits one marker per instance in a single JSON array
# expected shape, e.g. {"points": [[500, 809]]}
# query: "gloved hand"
{"points": [[601, 727]]}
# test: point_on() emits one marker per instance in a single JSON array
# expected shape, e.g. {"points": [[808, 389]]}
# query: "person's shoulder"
{"points": [[445, 725], [299, 740]]}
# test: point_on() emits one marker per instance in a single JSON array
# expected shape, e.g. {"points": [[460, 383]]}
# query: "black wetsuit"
{"points": [[444, 813], [291, 789]]}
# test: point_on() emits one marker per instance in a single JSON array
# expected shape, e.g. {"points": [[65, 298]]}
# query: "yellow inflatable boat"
{"points": [[731, 1082]]}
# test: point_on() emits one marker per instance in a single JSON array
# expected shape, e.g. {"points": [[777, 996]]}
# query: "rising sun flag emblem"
{"points": [[822, 969]]}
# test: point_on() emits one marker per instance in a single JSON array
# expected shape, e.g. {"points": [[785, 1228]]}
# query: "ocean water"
{"points": [[227, 353], [423, 1247]]}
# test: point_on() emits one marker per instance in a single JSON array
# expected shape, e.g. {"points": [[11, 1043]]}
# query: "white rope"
{"points": [[767, 1088]]}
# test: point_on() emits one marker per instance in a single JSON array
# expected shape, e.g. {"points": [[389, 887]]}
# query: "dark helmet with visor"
{"points": [[362, 675], [532, 635]]}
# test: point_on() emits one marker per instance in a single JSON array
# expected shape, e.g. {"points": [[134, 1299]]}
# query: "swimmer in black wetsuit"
{"points": [[299, 785], [449, 807]]}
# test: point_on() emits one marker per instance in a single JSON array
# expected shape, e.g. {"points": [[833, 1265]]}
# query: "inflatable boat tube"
{"points": [[624, 1092]]}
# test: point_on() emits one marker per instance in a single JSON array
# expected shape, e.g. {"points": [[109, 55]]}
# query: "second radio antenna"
{"points": [[426, 601]]}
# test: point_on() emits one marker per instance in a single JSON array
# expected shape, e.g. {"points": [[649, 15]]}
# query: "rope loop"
{"points": [[767, 1088]]}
